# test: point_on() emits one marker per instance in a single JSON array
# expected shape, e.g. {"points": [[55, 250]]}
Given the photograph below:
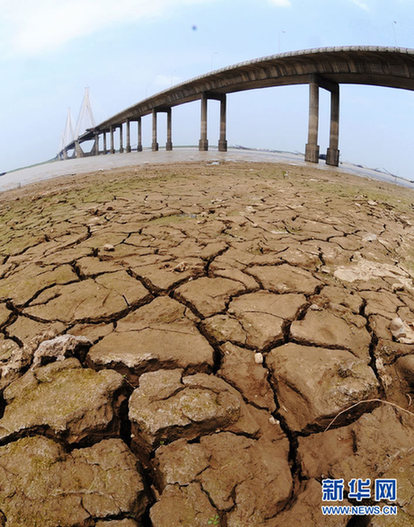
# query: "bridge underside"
{"points": [[323, 68]]}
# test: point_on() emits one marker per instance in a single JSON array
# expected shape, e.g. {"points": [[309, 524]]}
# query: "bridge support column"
{"points": [[154, 145], [96, 145], [78, 150], [312, 147], [139, 144], [203, 143], [168, 145], [128, 136], [121, 138], [332, 153], [222, 146], [105, 151], [65, 154], [111, 130]]}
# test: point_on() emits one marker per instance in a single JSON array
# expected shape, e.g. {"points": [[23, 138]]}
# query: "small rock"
{"points": [[181, 267], [371, 202], [108, 247], [370, 237], [59, 348], [315, 307], [401, 331], [258, 358], [273, 421]]}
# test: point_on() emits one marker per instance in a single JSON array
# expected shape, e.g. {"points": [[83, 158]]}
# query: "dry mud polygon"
{"points": [[224, 319]]}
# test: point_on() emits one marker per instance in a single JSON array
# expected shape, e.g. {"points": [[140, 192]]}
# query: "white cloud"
{"points": [[30, 27], [361, 5], [281, 3]]}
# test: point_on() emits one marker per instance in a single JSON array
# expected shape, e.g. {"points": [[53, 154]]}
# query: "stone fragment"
{"points": [[104, 297], [285, 279], [369, 237], [258, 358], [68, 489], [315, 384], [60, 348], [154, 336], [13, 360], [108, 247], [69, 401], [8, 348], [323, 328], [209, 295], [401, 331], [243, 369]]}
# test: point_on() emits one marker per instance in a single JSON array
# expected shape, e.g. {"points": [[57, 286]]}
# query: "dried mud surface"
{"points": [[175, 342]]}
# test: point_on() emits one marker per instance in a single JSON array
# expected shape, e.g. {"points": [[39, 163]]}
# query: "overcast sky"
{"points": [[126, 50]]}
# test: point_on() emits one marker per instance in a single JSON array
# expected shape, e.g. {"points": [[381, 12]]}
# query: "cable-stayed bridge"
{"points": [[325, 68]]}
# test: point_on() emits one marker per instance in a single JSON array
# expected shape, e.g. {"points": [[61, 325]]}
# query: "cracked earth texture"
{"points": [[176, 340]]}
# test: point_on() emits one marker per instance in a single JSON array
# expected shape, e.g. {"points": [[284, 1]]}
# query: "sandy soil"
{"points": [[203, 344]]}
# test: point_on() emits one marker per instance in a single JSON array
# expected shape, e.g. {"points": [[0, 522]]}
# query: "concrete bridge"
{"points": [[325, 68]]}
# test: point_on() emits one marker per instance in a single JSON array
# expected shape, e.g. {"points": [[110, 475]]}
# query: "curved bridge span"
{"points": [[325, 68]]}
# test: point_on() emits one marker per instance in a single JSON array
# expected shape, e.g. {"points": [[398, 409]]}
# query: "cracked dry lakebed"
{"points": [[205, 344]]}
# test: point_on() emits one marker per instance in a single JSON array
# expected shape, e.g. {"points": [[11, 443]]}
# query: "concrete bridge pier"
{"points": [[203, 143], [78, 150], [154, 131], [332, 153], [312, 147], [222, 146], [96, 144], [121, 138], [105, 150], [168, 144], [111, 131], [139, 144], [128, 136]]}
